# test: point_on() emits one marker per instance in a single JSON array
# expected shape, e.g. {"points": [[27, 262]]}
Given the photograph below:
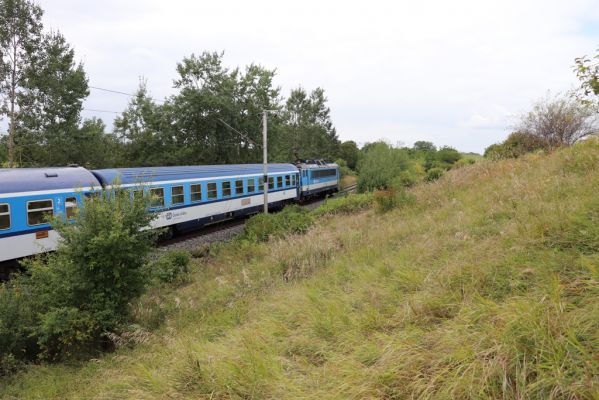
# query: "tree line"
{"points": [[214, 116]]}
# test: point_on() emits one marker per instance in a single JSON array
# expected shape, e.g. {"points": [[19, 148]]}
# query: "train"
{"points": [[183, 197]]}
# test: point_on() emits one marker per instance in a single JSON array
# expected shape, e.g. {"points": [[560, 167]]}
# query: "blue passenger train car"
{"points": [[185, 197], [28, 197]]}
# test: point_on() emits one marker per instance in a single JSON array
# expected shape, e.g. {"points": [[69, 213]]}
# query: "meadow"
{"points": [[485, 286]]}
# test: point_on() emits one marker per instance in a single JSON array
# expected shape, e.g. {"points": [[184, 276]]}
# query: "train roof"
{"points": [[161, 174], [19, 180], [316, 166]]}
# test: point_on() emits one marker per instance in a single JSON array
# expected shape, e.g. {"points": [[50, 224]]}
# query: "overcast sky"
{"points": [[452, 72]]}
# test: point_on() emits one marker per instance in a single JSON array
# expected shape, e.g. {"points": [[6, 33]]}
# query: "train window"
{"points": [[138, 194], [287, 180], [226, 189], [196, 192], [271, 183], [279, 181], [212, 190], [157, 197], [238, 187], [70, 205], [39, 211], [4, 216], [177, 195], [251, 185], [261, 184]]}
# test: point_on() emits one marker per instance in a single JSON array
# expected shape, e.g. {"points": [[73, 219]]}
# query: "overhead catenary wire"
{"points": [[103, 111], [123, 93], [243, 136], [115, 92]]}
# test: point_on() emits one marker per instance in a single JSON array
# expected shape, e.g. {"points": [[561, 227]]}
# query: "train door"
{"points": [[67, 205]]}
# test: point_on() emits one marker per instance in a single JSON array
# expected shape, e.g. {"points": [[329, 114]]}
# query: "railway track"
{"points": [[348, 189], [228, 229], [216, 232]]}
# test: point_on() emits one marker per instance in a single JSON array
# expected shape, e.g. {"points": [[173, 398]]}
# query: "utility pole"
{"points": [[265, 158], [265, 154]]}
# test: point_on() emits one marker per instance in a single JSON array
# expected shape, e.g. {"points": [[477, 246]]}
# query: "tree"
{"points": [[448, 155], [217, 112], [381, 165], [142, 129], [424, 146], [255, 92], [307, 129], [349, 152], [216, 118], [95, 147], [57, 86], [20, 36], [559, 121], [587, 71]]}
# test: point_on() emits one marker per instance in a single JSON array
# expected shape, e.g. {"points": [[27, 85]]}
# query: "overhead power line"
{"points": [[122, 93], [104, 111], [244, 136]]}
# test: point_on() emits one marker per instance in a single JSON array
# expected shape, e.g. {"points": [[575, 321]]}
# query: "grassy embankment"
{"points": [[348, 180], [487, 287]]}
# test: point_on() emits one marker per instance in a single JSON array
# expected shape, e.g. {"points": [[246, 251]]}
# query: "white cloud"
{"points": [[404, 70]]}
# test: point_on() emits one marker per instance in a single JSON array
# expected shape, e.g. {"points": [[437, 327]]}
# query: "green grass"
{"points": [[487, 286]]}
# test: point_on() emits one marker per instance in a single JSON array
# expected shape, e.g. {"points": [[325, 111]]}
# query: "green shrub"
{"points": [[448, 155], [387, 200], [82, 291], [17, 321], [464, 161], [516, 145], [201, 251], [293, 219], [345, 205], [433, 174], [380, 165], [405, 179], [343, 168], [170, 266]]}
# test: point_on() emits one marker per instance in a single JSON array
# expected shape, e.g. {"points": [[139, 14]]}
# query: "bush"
{"points": [[170, 266], [387, 200], [405, 179], [516, 145], [380, 165], [448, 155], [345, 205], [17, 321], [343, 168], [293, 219], [464, 161], [433, 174], [82, 291]]}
